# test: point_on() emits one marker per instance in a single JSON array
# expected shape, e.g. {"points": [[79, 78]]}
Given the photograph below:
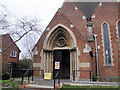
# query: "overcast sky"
{"points": [[44, 10]]}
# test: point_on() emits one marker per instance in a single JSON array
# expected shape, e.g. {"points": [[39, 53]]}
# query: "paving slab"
{"points": [[38, 86], [40, 83]]}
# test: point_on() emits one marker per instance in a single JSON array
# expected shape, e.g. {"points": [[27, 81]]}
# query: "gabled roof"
{"points": [[3, 34], [11, 39], [51, 22]]}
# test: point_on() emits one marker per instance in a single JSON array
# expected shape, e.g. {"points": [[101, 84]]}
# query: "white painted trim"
{"points": [[118, 39], [52, 30], [36, 64], [87, 48], [76, 8], [109, 42], [35, 51], [42, 61], [83, 17], [60, 48], [100, 4], [93, 16], [84, 65], [117, 30]]}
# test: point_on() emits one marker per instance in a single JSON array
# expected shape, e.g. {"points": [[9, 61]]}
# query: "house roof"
{"points": [[11, 39], [87, 8], [2, 34]]}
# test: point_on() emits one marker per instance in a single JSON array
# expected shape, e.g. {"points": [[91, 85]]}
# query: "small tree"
{"points": [[30, 26], [19, 29], [24, 64]]}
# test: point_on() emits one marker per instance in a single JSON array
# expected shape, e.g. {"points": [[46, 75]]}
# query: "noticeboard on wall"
{"points": [[57, 65]]}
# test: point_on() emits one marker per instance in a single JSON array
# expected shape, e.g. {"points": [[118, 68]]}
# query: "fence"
{"points": [[19, 72], [75, 73]]}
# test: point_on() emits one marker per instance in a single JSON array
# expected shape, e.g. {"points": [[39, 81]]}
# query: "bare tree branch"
{"points": [[19, 29], [15, 41], [25, 26]]}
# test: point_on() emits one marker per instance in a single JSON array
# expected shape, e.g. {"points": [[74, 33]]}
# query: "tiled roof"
{"points": [[87, 8], [2, 34]]}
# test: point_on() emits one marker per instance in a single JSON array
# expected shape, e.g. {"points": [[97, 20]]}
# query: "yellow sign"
{"points": [[47, 76]]}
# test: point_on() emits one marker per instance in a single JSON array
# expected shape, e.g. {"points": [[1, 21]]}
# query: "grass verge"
{"points": [[70, 87], [10, 84]]}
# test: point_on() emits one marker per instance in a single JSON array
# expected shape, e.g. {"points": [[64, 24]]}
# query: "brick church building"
{"points": [[84, 38]]}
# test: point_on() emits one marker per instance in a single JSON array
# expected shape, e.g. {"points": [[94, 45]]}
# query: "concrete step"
{"points": [[38, 86], [41, 87]]}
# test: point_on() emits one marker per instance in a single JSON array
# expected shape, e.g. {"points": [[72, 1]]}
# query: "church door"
{"points": [[63, 56]]}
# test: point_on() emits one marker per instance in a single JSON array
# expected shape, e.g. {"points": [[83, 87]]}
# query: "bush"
{"points": [[8, 84], [24, 64], [5, 68], [6, 76], [94, 78]]}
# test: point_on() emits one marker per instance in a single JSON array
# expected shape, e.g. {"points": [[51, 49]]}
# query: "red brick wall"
{"points": [[61, 18], [37, 71], [6, 41], [106, 12]]}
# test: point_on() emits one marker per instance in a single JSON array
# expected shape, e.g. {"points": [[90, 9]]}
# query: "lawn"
{"points": [[66, 87], [10, 83]]}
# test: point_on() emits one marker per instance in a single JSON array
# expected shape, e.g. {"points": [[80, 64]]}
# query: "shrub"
{"points": [[10, 85], [6, 76], [5, 68], [24, 64], [94, 78]]}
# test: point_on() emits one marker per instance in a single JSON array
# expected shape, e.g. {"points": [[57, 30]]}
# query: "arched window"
{"points": [[106, 43], [119, 30]]}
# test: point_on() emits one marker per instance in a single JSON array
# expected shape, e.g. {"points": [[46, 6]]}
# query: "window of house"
{"points": [[106, 43], [119, 29], [13, 53]]}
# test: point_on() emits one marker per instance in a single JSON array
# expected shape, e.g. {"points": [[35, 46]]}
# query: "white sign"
{"points": [[57, 65]]}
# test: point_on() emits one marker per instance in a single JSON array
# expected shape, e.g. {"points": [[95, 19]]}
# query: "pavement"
{"points": [[40, 83], [38, 86]]}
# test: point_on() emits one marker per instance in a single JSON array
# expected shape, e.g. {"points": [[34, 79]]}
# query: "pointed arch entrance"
{"points": [[60, 44]]}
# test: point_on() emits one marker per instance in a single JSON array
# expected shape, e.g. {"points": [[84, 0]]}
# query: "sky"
{"points": [[44, 10]]}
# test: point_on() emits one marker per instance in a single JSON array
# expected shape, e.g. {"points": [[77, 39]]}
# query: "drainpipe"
{"points": [[95, 36]]}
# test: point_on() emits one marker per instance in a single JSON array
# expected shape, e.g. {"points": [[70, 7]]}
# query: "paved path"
{"points": [[39, 83], [38, 86]]}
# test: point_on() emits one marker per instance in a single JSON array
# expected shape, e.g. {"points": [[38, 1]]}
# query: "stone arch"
{"points": [[51, 43], [117, 30], [66, 30]]}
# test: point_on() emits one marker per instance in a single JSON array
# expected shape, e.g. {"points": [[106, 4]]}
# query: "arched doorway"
{"points": [[60, 44]]}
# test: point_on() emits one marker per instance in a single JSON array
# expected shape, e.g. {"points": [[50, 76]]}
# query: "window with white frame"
{"points": [[13, 53], [106, 43]]}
